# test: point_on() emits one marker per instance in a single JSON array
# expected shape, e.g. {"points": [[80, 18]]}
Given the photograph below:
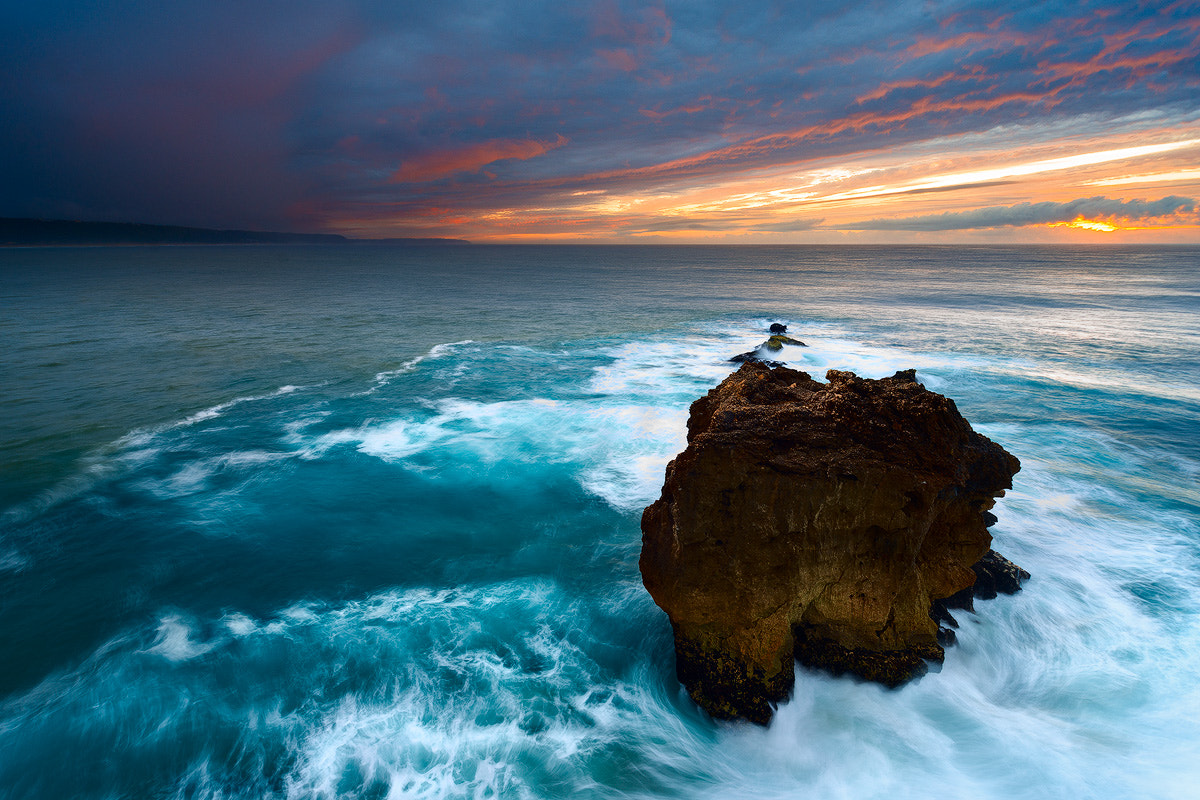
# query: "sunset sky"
{"points": [[610, 121]]}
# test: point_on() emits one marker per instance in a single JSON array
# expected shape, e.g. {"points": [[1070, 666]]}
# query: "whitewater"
{"points": [[363, 522]]}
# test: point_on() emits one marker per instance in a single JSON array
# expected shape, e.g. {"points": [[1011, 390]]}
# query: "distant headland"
{"points": [[57, 232]]}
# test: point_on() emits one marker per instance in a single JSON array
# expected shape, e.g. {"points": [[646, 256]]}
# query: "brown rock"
{"points": [[994, 574], [816, 522]]}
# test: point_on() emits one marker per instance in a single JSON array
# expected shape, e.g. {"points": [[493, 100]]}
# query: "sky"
{"points": [[532, 121]]}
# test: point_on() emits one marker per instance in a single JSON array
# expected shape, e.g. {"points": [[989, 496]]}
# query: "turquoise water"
{"points": [[363, 522]]}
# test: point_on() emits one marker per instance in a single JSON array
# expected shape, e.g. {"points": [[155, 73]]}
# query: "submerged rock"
{"points": [[777, 342], [815, 522], [757, 357], [771, 345]]}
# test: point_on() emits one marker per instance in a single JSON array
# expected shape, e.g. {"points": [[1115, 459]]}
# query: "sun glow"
{"points": [[1086, 224], [1178, 175], [944, 181]]}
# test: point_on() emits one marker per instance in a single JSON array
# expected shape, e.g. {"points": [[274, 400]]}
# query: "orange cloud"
{"points": [[973, 40], [884, 89], [703, 104], [1078, 71], [1112, 57], [470, 158]]}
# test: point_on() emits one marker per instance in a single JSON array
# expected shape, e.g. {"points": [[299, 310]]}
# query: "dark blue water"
{"points": [[363, 522]]}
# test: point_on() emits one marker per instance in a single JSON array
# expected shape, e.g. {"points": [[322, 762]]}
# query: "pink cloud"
{"points": [[972, 41], [620, 59], [649, 26], [885, 89], [470, 158]]}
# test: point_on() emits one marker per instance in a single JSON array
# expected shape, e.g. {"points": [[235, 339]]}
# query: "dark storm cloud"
{"points": [[1030, 214], [167, 112], [276, 112]]}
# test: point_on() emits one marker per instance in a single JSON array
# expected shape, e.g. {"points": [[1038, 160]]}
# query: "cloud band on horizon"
{"points": [[1023, 214]]}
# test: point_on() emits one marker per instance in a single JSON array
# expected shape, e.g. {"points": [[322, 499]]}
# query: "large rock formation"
{"points": [[818, 522]]}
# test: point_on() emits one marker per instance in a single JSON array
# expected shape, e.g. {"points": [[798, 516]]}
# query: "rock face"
{"points": [[816, 522]]}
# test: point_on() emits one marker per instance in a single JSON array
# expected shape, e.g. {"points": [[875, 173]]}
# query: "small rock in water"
{"points": [[755, 356], [777, 342], [994, 574], [771, 345], [778, 327]]}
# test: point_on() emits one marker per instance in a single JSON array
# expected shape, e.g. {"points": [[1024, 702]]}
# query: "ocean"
{"points": [[363, 521]]}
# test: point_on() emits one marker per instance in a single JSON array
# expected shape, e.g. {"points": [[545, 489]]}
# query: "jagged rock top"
{"points": [[841, 421]]}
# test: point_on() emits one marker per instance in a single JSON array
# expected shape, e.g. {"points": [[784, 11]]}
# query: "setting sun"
{"points": [[1086, 224]]}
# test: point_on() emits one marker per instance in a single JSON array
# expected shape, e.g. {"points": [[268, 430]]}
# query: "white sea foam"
{"points": [[488, 691], [620, 435], [92, 470], [1082, 685], [385, 377], [123, 456], [174, 640], [196, 476], [492, 691], [11, 560], [215, 411], [1069, 689], [530, 714], [617, 450]]}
